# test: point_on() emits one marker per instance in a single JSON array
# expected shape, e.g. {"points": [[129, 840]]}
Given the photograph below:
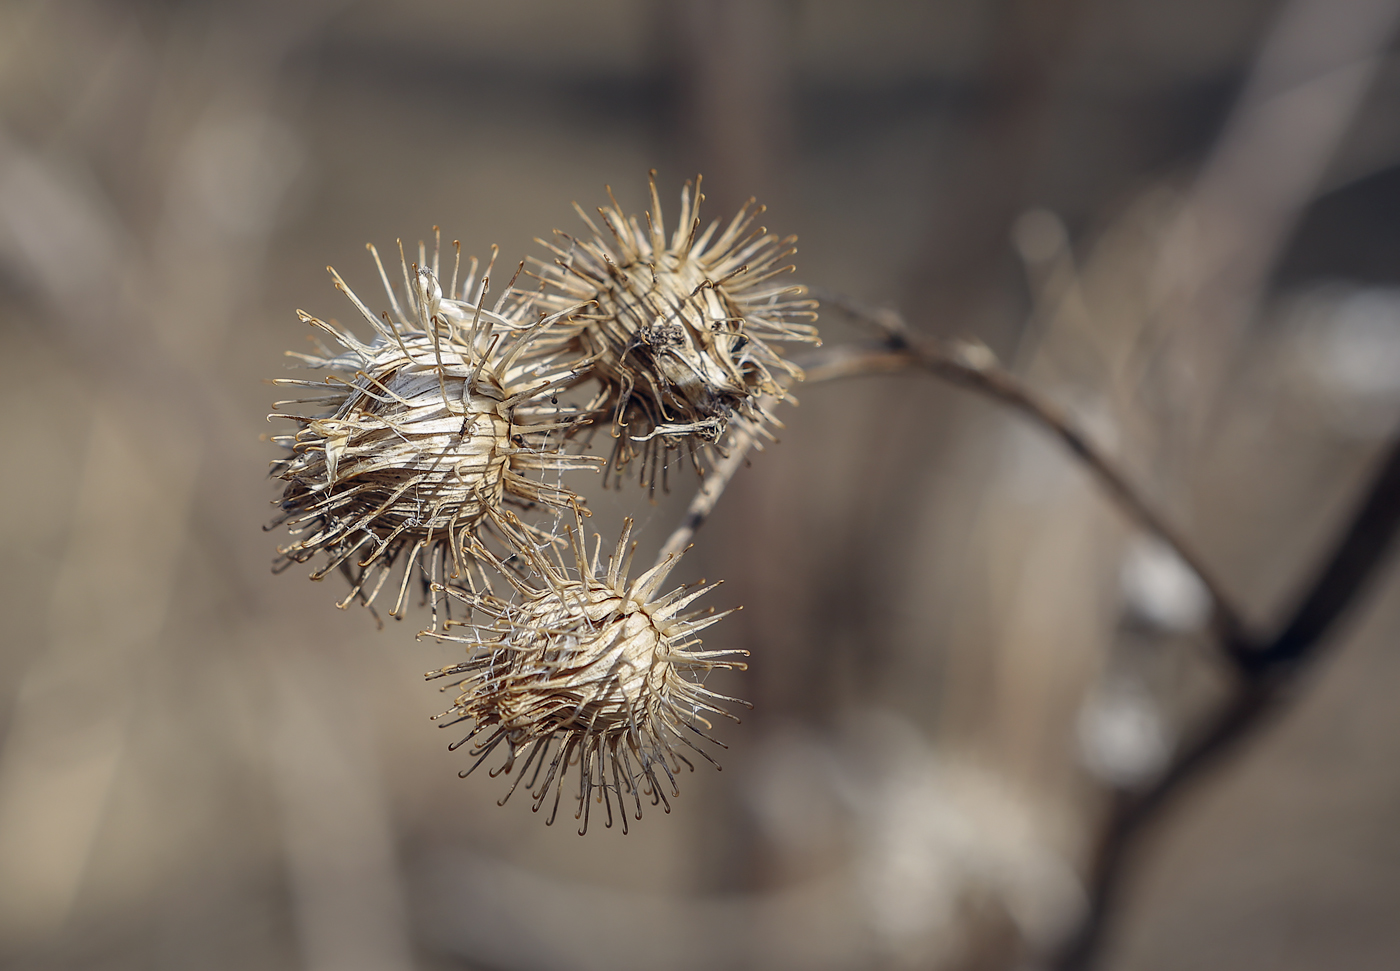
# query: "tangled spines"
{"points": [[592, 669], [422, 436], [681, 331], [433, 453]]}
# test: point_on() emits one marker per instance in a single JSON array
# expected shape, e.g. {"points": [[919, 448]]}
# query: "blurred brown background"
{"points": [[1180, 221]]}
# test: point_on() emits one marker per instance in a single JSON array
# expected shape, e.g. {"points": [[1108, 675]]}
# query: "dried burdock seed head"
{"points": [[588, 668], [682, 329], [418, 438]]}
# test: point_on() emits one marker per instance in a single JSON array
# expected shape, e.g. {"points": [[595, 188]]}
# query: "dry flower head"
{"points": [[681, 330], [588, 669], [420, 437]]}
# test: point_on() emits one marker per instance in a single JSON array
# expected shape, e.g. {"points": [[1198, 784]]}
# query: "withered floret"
{"points": [[592, 669], [681, 331], [423, 436]]}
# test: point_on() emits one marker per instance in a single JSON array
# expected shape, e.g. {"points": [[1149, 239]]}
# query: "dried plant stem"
{"points": [[737, 451], [973, 366]]}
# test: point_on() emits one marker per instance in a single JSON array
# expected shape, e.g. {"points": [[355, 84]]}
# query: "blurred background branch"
{"points": [[1268, 675]]}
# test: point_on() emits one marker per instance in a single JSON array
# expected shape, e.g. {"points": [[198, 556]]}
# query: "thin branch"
{"points": [[711, 489], [973, 366]]}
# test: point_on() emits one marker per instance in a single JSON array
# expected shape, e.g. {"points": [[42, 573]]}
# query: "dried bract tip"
{"points": [[682, 329], [420, 437], [588, 668]]}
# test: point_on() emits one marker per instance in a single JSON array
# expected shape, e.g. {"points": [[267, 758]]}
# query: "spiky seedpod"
{"points": [[682, 331], [592, 669], [424, 435]]}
